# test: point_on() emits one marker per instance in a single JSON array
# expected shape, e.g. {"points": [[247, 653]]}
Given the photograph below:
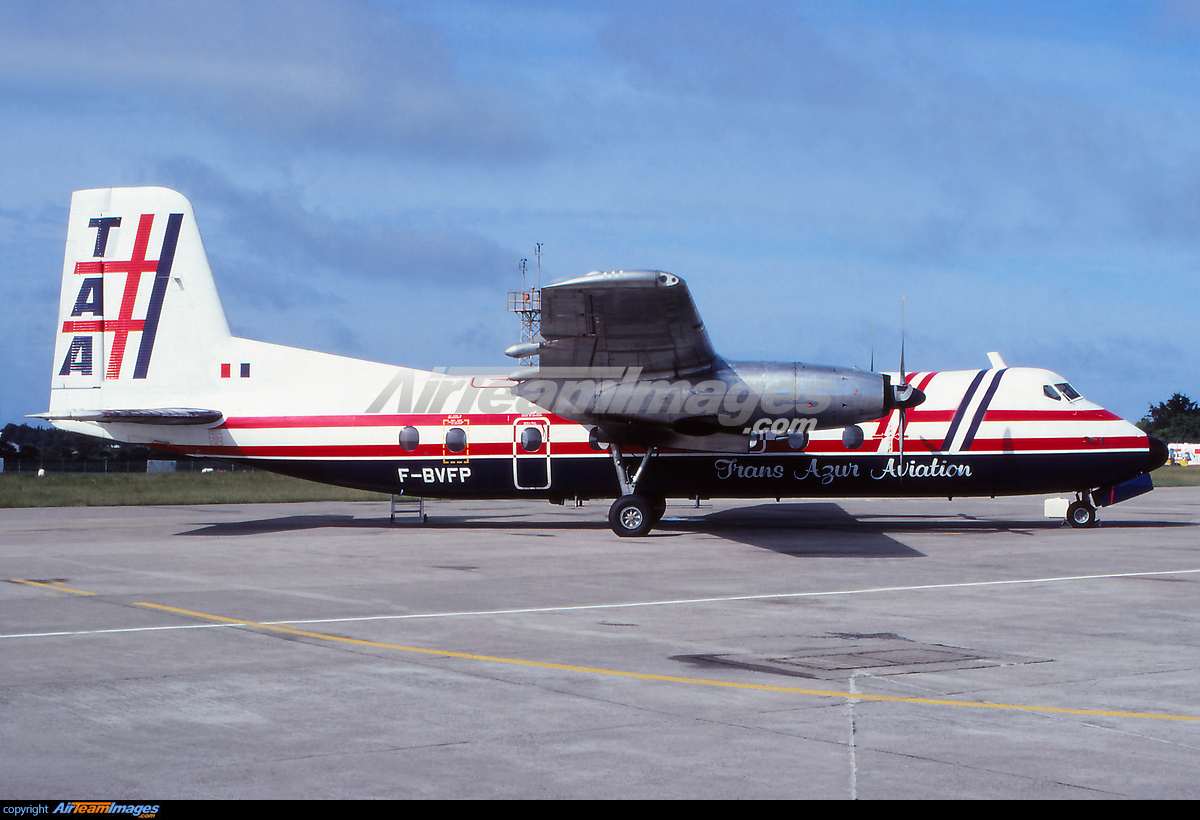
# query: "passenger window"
{"points": [[1051, 393], [531, 439], [409, 439], [1068, 391], [456, 439]]}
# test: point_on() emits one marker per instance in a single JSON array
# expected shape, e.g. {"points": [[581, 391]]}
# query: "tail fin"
{"points": [[139, 319]]}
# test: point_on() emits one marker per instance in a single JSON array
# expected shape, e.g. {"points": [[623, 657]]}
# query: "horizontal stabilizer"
{"points": [[165, 415]]}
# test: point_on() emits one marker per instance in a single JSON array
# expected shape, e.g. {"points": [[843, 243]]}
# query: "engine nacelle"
{"points": [[729, 400]]}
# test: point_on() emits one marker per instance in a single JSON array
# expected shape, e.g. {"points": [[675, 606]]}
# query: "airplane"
{"points": [[628, 399]]}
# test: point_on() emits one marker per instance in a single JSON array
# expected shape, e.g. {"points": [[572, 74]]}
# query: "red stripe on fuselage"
{"points": [[989, 447], [374, 420], [919, 444], [1051, 415]]}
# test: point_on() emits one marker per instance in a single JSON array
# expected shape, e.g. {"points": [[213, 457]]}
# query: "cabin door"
{"points": [[531, 453]]}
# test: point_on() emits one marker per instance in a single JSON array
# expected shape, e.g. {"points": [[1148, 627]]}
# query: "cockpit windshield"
{"points": [[1059, 391], [1068, 391]]}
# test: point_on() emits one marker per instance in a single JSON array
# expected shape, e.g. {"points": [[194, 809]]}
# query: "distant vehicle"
{"points": [[629, 400]]}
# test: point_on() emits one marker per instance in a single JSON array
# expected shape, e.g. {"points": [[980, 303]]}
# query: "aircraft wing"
{"points": [[624, 319]]}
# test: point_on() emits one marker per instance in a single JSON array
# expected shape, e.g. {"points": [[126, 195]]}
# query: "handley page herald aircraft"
{"points": [[628, 400]]}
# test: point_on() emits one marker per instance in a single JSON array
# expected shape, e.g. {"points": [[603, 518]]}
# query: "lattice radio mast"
{"points": [[527, 304]]}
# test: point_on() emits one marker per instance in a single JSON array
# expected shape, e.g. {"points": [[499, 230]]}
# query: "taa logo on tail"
{"points": [[90, 301]]}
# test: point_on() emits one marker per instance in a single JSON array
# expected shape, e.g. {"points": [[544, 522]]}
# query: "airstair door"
{"points": [[531, 453]]}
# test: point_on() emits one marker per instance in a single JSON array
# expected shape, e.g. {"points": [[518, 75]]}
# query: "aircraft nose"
{"points": [[1158, 453]]}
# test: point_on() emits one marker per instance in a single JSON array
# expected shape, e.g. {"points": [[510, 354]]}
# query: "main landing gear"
{"points": [[633, 514]]}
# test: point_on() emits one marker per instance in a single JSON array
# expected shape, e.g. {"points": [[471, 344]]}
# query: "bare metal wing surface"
{"points": [[624, 319]]}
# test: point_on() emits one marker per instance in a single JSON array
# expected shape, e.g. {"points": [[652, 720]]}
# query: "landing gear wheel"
{"points": [[1081, 514], [631, 515]]}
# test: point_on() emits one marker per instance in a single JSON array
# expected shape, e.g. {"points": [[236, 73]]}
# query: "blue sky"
{"points": [[367, 175]]}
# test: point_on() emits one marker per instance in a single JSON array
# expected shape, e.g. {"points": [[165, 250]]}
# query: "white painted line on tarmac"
{"points": [[630, 605]]}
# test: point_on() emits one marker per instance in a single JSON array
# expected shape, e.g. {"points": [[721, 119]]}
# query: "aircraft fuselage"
{"points": [[979, 432]]}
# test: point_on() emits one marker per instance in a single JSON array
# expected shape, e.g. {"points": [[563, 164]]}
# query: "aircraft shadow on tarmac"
{"points": [[296, 523], [819, 529], [810, 530], [805, 529], [287, 523]]}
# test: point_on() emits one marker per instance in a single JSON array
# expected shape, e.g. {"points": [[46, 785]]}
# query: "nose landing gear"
{"points": [[1081, 514]]}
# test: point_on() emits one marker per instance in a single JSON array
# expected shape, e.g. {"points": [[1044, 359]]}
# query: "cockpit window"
{"points": [[1068, 391], [1050, 392]]}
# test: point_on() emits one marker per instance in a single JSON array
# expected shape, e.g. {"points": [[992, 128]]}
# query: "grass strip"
{"points": [[132, 489]]}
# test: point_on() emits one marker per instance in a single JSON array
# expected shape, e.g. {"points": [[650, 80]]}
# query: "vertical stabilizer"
{"points": [[139, 319]]}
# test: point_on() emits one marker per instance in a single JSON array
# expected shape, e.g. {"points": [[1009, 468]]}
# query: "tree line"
{"points": [[1175, 420], [25, 442]]}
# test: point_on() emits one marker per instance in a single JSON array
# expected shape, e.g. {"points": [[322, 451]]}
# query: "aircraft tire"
{"points": [[1081, 514], [631, 515]]}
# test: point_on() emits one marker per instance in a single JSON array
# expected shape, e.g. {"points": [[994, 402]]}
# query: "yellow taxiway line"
{"points": [[795, 690], [668, 678], [51, 585]]}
